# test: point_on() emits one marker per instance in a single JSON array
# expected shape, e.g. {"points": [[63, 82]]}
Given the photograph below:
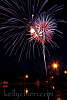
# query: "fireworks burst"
{"points": [[20, 26], [43, 29]]}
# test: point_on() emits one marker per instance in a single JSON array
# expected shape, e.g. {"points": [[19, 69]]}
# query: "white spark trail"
{"points": [[44, 58], [43, 5]]}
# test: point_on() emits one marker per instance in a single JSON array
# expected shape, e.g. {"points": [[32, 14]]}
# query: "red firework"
{"points": [[42, 31]]}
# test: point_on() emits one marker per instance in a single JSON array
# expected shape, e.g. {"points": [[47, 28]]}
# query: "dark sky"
{"points": [[10, 63]]}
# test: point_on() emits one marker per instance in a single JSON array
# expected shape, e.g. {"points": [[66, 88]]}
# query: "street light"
{"points": [[26, 91], [55, 65], [59, 98], [65, 72], [26, 76], [53, 87]]}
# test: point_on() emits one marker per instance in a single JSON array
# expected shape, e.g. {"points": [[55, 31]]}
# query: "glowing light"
{"points": [[52, 77], [26, 76], [32, 30], [26, 91], [33, 33], [55, 65], [5, 82], [59, 98], [65, 72], [5, 86], [53, 87]]}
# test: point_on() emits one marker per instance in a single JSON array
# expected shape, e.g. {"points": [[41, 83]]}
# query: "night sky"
{"points": [[10, 63]]}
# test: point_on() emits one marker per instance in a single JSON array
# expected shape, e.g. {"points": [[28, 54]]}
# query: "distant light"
{"points": [[5, 82], [32, 16], [55, 65], [26, 76], [53, 87], [37, 83], [65, 72], [59, 98], [5, 86], [26, 91], [52, 77]]}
